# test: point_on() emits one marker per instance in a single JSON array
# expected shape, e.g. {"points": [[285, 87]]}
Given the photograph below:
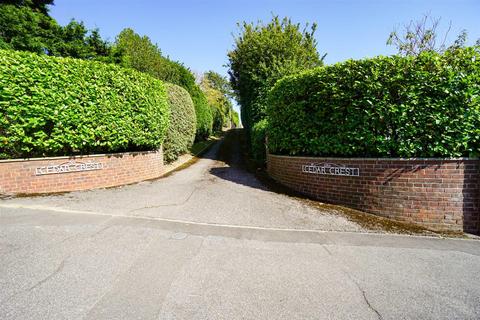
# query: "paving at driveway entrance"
{"points": [[210, 242], [209, 192], [59, 265]]}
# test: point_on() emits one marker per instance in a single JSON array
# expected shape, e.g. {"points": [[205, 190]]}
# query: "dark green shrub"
{"points": [[61, 106], [258, 137], [182, 128], [424, 106]]}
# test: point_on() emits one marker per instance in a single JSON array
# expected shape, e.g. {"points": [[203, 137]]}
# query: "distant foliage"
{"points": [[416, 106], [76, 41], [139, 53], [219, 82], [182, 128], [61, 106], [218, 93], [235, 119], [263, 54]]}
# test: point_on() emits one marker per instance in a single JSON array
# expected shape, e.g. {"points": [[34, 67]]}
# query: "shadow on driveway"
{"points": [[230, 153]]}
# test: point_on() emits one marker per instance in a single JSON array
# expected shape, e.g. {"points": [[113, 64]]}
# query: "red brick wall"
{"points": [[20, 176], [439, 194]]}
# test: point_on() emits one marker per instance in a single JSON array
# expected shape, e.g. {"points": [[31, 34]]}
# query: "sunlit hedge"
{"points": [[425, 106], [258, 137], [55, 106], [182, 128], [203, 112]]}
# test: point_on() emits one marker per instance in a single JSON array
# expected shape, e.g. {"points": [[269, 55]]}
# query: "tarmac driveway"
{"points": [[210, 242]]}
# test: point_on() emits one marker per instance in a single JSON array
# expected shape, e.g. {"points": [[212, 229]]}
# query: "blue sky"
{"points": [[199, 32]]}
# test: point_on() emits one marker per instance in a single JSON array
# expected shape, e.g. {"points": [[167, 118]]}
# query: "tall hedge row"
{"points": [[138, 52], [182, 128], [425, 106], [203, 112], [58, 106]]}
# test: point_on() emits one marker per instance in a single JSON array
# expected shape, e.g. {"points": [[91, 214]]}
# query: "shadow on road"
{"points": [[230, 152]]}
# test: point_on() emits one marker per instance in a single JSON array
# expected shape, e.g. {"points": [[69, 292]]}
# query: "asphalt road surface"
{"points": [[211, 242]]}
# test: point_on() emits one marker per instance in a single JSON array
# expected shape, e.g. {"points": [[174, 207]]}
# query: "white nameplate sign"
{"points": [[71, 166], [330, 169]]}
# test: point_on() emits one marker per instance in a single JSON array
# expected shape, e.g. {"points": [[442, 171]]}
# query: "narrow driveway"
{"points": [[210, 191], [210, 242]]}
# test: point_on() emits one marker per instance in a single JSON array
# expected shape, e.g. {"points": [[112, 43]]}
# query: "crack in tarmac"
{"points": [[53, 274], [167, 205], [368, 302], [84, 235], [39, 283], [352, 279]]}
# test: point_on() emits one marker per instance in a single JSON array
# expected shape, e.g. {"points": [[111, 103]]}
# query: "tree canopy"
{"points": [[27, 29], [218, 92], [423, 35], [37, 5], [26, 26], [264, 53]]}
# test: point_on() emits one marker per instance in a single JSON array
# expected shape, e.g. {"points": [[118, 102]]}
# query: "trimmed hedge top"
{"points": [[182, 128], [58, 106], [425, 106]]}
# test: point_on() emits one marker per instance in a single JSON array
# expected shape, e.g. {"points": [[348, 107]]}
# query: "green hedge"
{"points": [[140, 53], [258, 136], [57, 106], [203, 112], [425, 106], [235, 119], [218, 118], [182, 128]]}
